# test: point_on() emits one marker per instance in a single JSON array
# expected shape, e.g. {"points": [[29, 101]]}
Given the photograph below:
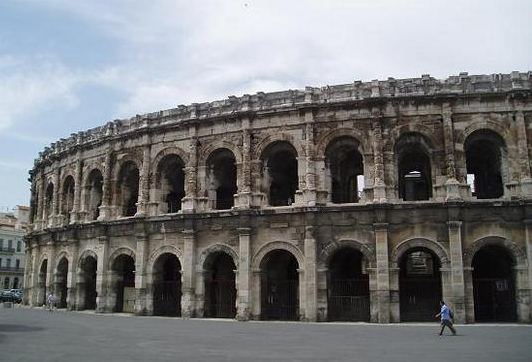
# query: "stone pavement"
{"points": [[35, 334]]}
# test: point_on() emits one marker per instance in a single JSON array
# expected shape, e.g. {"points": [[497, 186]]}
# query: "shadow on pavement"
{"points": [[18, 328]]}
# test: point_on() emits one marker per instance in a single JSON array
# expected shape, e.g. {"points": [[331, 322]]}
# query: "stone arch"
{"points": [[212, 249], [167, 249], [330, 136], [277, 245], [210, 147], [268, 140], [42, 258], [85, 255], [418, 242], [398, 131], [88, 170], [503, 132], [517, 254], [328, 252], [122, 161], [117, 253], [66, 173], [63, 254], [169, 151]]}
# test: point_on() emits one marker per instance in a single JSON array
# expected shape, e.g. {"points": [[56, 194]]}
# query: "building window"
{"points": [[8, 263], [19, 246], [15, 283], [17, 264], [10, 244], [6, 283], [1, 243], [0, 262]]}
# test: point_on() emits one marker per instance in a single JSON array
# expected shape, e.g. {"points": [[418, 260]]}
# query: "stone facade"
{"points": [[317, 204], [12, 230]]}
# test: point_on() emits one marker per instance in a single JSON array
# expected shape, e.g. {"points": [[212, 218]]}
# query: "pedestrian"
{"points": [[51, 302], [446, 318]]}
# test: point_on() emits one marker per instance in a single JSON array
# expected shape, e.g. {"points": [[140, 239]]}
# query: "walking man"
{"points": [[446, 318]]}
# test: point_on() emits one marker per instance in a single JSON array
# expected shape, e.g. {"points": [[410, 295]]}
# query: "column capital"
{"points": [[454, 224], [380, 226], [244, 231]]}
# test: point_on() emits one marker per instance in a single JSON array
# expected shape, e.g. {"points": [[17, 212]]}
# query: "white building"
{"points": [[12, 231]]}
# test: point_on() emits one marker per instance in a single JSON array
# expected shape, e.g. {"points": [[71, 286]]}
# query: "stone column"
{"points": [[244, 275], [188, 276], [74, 215], [468, 295], [379, 186], [457, 270], [302, 294], [50, 268], [310, 196], [524, 161], [105, 207], [311, 277], [452, 186], [140, 274], [144, 182], [395, 308], [72, 275], [101, 275], [189, 201], [34, 292], [528, 240], [256, 304], [55, 217], [244, 198], [383, 273]]}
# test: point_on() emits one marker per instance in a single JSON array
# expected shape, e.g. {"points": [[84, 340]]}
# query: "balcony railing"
{"points": [[11, 268], [7, 249]]}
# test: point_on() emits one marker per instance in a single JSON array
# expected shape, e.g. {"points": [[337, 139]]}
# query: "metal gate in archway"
{"points": [[419, 299], [221, 302], [167, 298], [281, 300], [348, 300], [494, 300]]}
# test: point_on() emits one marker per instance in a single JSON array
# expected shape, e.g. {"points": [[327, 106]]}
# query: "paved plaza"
{"points": [[35, 334]]}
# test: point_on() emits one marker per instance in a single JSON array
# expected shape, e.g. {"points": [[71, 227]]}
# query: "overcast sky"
{"points": [[70, 65]]}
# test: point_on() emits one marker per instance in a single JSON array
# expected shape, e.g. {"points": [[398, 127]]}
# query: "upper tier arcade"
{"points": [[462, 139]]}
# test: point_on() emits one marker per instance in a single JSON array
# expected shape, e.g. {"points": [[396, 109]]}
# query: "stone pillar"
{"points": [[528, 240], [395, 308], [189, 201], [75, 214], [34, 292], [27, 272], [243, 312], [140, 274], [256, 304], [144, 182], [302, 288], [309, 195], [452, 186], [105, 207], [244, 198], [524, 161], [72, 275], [101, 275], [187, 279], [311, 277], [379, 186], [457, 271], [468, 295], [383, 274]]}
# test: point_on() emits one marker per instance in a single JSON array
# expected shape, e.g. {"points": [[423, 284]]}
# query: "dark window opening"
{"points": [[414, 168], [494, 285], [222, 178], [124, 269], [346, 165], [420, 288], [67, 203], [94, 194], [171, 182], [279, 286], [483, 151], [48, 203], [281, 171], [348, 287], [129, 189]]}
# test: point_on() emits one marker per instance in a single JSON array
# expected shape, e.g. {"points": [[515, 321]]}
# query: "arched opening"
{"points": [[170, 181], [15, 283], [128, 189], [49, 201], [348, 287], [94, 194], [61, 282], [87, 282], [279, 286], [484, 150], [34, 202], [220, 288], [67, 199], [280, 177], [221, 179], [123, 278], [345, 167], [494, 285], [41, 284], [420, 287], [167, 286], [414, 168]]}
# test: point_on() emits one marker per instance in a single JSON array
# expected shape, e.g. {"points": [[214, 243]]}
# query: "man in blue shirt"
{"points": [[446, 318]]}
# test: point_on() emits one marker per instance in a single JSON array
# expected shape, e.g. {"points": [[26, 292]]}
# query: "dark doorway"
{"points": [[128, 189], [124, 269], [167, 286], [279, 286], [414, 168], [42, 283], [348, 287], [420, 289], [220, 289], [280, 169], [171, 183], [94, 193], [88, 268], [67, 200], [61, 282], [494, 285], [484, 151], [222, 186]]}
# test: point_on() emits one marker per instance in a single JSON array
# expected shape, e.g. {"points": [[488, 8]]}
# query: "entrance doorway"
{"points": [[167, 286], [61, 282], [88, 282], [494, 285], [220, 289], [420, 289], [279, 286], [348, 287], [124, 269]]}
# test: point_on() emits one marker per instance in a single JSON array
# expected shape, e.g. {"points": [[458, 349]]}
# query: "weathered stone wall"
{"points": [[381, 118]]}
